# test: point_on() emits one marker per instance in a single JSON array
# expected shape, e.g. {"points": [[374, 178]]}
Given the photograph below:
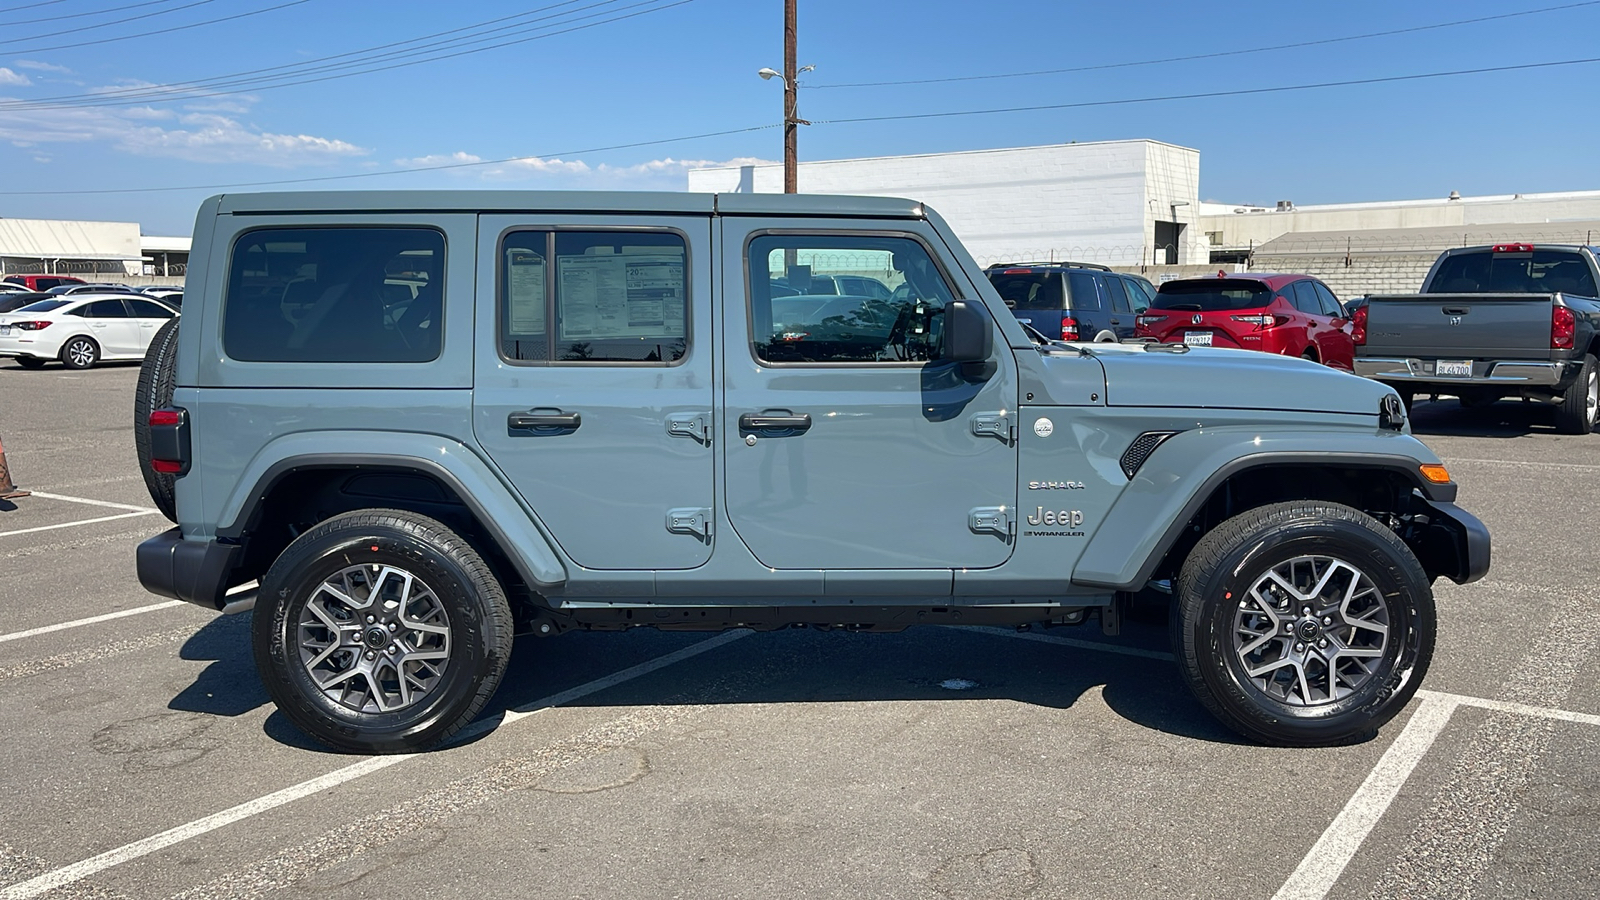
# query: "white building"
{"points": [[1123, 203], [88, 250]]}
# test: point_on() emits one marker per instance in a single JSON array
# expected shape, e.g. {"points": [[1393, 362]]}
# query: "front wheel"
{"points": [[1303, 624], [381, 631]]}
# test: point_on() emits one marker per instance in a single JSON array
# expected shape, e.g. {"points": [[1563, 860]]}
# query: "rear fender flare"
{"points": [[507, 521], [1174, 483]]}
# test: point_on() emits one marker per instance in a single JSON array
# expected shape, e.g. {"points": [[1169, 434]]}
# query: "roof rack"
{"points": [[1054, 264]]}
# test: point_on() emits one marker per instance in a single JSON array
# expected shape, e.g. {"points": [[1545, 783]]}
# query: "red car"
{"points": [[1291, 315], [42, 282]]}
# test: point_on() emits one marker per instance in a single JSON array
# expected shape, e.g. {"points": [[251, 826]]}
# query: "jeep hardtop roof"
{"points": [[646, 202]]}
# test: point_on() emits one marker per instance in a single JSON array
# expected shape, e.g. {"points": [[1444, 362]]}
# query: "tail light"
{"points": [[1264, 320], [1358, 326], [31, 326], [1069, 328], [1148, 321], [169, 441], [1563, 324]]}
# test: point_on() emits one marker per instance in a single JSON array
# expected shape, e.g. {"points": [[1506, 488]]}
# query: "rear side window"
{"points": [[608, 297], [1213, 296], [1081, 285], [335, 295], [1119, 294], [1305, 298], [1030, 290], [102, 309], [1537, 272]]}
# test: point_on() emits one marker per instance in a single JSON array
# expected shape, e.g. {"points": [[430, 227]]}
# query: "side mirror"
{"points": [[968, 337]]}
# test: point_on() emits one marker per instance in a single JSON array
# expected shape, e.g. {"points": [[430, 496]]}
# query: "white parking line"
{"points": [[94, 502], [78, 871], [1322, 867], [128, 515], [1523, 709], [79, 623]]}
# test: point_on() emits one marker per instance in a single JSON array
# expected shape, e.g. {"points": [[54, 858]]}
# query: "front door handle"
{"points": [[775, 422], [544, 421]]}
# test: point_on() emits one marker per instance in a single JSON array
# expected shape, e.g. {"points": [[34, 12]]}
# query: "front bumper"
{"points": [[193, 571], [1455, 543], [1508, 374]]}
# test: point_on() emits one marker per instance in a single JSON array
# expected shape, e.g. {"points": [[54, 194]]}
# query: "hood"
{"points": [[1205, 378]]}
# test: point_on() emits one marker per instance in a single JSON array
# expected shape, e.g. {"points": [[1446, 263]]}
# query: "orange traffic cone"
{"points": [[8, 491]]}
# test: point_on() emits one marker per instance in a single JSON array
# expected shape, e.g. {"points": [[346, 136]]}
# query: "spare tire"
{"points": [[156, 380]]}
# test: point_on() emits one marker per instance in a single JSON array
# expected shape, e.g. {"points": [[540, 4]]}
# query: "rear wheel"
{"points": [[29, 362], [381, 631], [1303, 624], [80, 353], [1581, 403]]}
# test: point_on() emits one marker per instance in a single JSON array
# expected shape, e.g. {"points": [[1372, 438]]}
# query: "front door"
{"points": [[850, 445], [593, 381]]}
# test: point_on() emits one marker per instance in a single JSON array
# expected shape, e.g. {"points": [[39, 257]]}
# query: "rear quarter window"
{"points": [[335, 295]]}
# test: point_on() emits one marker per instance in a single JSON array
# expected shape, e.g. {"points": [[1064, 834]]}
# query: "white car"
{"points": [[81, 330]]}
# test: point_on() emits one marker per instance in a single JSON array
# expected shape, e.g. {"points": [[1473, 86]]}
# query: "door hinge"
{"points": [[690, 520], [1001, 520], [690, 425], [995, 425]]}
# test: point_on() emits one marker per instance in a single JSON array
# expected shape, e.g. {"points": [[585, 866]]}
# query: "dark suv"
{"points": [[1072, 301]]}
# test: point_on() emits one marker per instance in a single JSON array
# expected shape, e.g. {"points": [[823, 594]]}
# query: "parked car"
{"points": [[7, 287], [1072, 301], [172, 296], [1289, 315], [99, 287], [846, 285], [81, 330], [41, 282], [9, 301], [1507, 320], [630, 439]]}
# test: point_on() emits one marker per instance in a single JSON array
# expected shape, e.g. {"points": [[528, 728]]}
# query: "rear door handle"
{"points": [[776, 422], [546, 421]]}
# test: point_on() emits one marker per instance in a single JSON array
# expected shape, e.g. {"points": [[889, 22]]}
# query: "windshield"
{"points": [[44, 305], [1212, 295], [1536, 272], [1040, 290]]}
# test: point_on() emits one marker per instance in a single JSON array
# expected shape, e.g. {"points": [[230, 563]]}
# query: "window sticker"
{"points": [[629, 295], [525, 289]]}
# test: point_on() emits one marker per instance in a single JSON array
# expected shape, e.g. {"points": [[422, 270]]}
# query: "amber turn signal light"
{"points": [[1436, 474]]}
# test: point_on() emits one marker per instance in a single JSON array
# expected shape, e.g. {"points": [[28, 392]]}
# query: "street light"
{"points": [[791, 123]]}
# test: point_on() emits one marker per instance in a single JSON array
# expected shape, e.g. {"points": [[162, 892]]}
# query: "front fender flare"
{"points": [[1180, 475], [508, 522]]}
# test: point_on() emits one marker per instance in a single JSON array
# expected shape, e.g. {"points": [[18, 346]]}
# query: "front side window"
{"points": [[335, 295], [607, 297], [864, 327], [1330, 303], [145, 309]]}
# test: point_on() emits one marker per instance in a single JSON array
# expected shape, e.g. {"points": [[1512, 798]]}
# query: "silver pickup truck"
{"points": [[1510, 320]]}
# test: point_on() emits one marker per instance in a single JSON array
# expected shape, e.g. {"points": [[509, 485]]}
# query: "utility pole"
{"points": [[791, 99]]}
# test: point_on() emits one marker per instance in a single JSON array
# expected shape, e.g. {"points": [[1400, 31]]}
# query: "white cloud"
{"points": [[667, 173], [39, 66], [195, 136], [9, 78]]}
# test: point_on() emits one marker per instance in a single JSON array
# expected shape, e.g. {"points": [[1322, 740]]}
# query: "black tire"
{"points": [[157, 377], [1216, 611], [1577, 412], [476, 615], [80, 353], [31, 362]]}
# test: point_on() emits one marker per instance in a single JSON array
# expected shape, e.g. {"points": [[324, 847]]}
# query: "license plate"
{"points": [[1460, 368], [1197, 338], [5, 331]]}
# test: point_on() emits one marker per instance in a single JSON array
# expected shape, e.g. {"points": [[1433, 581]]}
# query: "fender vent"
{"points": [[1140, 450]]}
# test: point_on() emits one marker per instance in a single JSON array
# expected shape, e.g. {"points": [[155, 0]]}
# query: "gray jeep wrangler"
{"points": [[423, 422]]}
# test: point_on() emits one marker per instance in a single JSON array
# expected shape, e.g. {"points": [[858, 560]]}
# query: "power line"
{"points": [[407, 171], [93, 12], [32, 5], [1219, 54], [82, 28], [129, 37], [210, 87], [1208, 94]]}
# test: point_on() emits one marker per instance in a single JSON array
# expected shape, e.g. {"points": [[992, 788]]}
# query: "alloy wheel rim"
{"points": [[1592, 398], [1311, 630], [374, 638], [81, 353]]}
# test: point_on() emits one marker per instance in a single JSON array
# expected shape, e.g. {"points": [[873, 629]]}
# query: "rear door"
{"points": [[1338, 344], [1086, 303], [1121, 306], [850, 446], [594, 381]]}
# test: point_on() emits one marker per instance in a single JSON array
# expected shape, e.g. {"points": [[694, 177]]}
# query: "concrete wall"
{"points": [[1093, 202]]}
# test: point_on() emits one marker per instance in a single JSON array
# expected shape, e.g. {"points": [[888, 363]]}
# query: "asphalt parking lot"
{"points": [[142, 758]]}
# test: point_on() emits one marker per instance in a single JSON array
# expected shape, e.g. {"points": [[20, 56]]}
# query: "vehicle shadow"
{"points": [[786, 667], [1507, 419]]}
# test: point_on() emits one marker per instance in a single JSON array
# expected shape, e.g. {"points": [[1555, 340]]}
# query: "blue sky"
{"points": [[689, 68]]}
